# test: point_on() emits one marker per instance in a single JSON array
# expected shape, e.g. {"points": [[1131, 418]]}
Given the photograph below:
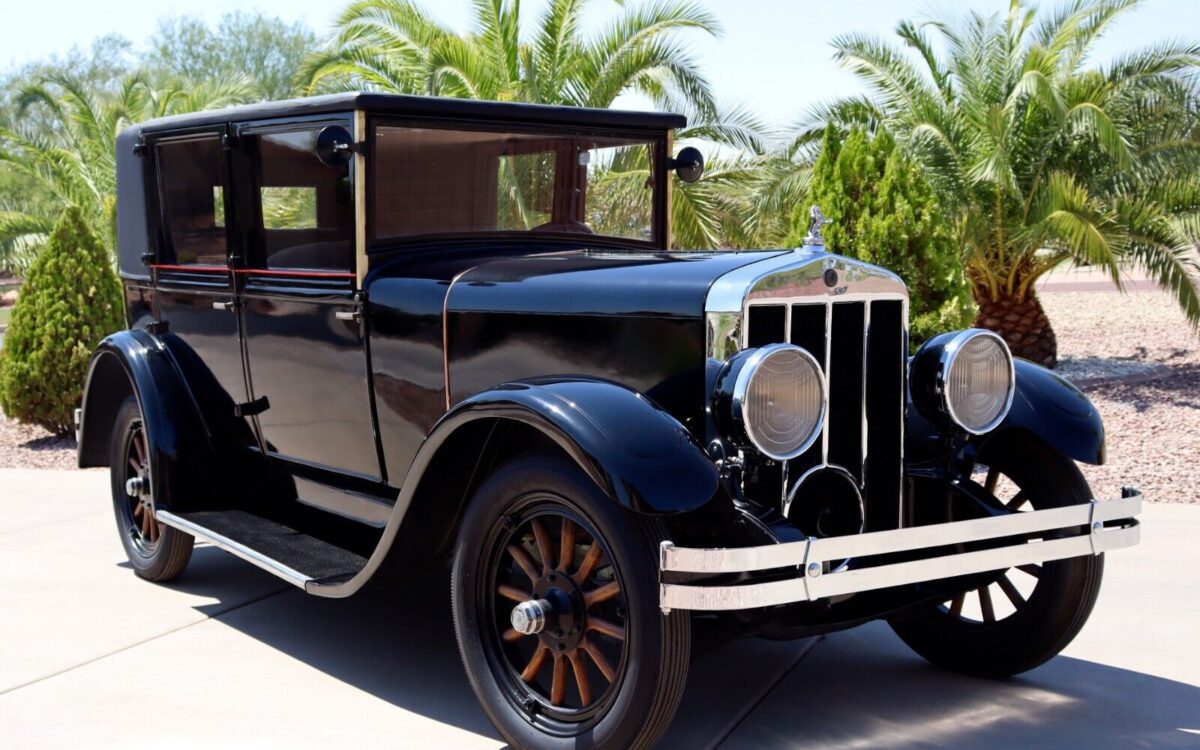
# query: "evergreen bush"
{"points": [[70, 300], [883, 210]]}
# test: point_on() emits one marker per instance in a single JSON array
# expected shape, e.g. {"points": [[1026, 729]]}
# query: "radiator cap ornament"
{"points": [[816, 221]]}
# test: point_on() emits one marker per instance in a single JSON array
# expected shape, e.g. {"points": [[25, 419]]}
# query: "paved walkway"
{"points": [[91, 656]]}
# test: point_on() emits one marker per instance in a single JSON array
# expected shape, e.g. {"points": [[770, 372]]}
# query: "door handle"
{"points": [[227, 305], [352, 316]]}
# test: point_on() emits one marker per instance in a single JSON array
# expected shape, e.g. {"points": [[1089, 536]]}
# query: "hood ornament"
{"points": [[816, 221]]}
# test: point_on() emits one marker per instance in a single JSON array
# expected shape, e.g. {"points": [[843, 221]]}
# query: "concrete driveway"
{"points": [[92, 656]]}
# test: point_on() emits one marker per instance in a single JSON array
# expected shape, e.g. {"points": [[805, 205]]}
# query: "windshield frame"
{"points": [[658, 138]]}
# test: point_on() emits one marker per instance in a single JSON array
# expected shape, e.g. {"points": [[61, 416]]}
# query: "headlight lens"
{"points": [[779, 400], [977, 380]]}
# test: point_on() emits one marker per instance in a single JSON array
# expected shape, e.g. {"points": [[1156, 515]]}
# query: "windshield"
{"points": [[442, 181]]}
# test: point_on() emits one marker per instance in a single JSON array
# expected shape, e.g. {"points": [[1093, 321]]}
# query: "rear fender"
{"points": [[182, 458]]}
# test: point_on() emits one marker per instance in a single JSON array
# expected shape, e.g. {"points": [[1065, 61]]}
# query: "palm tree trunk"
{"points": [[1022, 323]]}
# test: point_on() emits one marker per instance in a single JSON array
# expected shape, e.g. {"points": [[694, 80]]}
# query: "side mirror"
{"points": [[335, 146], [688, 164]]}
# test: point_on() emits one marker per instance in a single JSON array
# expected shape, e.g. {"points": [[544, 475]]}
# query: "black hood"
{"points": [[597, 282]]}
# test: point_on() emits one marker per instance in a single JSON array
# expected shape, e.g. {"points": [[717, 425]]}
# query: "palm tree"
{"points": [[75, 162], [1039, 157], [395, 46]]}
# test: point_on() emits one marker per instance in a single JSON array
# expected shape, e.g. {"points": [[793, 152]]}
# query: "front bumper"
{"points": [[1102, 526]]}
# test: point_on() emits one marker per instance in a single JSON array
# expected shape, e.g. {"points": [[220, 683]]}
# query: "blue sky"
{"points": [[774, 55]]}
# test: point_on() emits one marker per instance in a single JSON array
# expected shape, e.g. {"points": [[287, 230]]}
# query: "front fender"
{"points": [[635, 451], [135, 363], [1044, 404], [1049, 406]]}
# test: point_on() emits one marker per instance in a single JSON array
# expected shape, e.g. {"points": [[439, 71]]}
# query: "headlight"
{"points": [[966, 376], [773, 398]]}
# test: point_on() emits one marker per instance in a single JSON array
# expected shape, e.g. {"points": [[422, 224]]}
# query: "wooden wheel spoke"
{"points": [[523, 560], [512, 636], [566, 546], [1018, 500], [581, 678], [530, 673], [137, 510], [558, 682], [153, 528], [957, 605], [1011, 592], [133, 464], [598, 659], [1033, 570], [145, 525], [607, 628], [993, 477], [512, 593], [601, 594], [985, 604], [545, 549], [140, 446], [590, 561]]}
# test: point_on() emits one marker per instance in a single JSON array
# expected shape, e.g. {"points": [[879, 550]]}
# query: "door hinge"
{"points": [[139, 146], [229, 141], [252, 408], [156, 327]]}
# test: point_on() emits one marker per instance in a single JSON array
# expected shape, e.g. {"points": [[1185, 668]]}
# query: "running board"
{"points": [[297, 558]]}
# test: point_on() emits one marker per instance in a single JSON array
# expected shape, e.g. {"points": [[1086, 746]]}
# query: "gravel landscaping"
{"points": [[1133, 354], [1152, 420]]}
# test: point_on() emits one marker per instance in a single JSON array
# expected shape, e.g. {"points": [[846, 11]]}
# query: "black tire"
{"points": [[648, 662], [1049, 618], [156, 552]]}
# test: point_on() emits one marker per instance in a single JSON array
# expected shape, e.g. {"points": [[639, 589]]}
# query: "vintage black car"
{"points": [[370, 332]]}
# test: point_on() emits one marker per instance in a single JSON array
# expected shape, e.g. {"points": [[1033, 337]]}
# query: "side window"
{"points": [[191, 176], [305, 208]]}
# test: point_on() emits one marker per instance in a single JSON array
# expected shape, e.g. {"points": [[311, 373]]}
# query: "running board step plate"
{"points": [[280, 550]]}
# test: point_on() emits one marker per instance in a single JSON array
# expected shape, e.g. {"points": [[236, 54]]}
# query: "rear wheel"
{"points": [[1030, 613], [156, 552], [555, 593]]}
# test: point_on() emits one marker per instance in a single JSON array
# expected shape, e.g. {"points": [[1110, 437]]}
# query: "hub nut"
{"points": [[529, 617]]}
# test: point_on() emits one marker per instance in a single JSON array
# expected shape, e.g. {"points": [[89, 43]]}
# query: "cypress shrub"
{"points": [[71, 299], [883, 210]]}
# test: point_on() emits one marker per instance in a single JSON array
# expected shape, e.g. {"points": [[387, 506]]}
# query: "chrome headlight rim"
{"points": [[741, 387], [946, 361]]}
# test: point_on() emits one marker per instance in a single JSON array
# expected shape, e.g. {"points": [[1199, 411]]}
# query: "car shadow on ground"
{"points": [[861, 688], [864, 688]]}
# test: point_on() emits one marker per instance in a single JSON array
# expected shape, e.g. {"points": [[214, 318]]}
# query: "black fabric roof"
{"points": [[424, 106]]}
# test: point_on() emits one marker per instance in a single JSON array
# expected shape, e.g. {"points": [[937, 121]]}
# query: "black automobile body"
{"points": [[366, 331]]}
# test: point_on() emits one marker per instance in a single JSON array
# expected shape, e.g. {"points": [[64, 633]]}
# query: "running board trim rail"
{"points": [[278, 569], [813, 557]]}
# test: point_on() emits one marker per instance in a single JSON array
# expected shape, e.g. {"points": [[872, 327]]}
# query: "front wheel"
{"points": [[555, 594], [1029, 613]]}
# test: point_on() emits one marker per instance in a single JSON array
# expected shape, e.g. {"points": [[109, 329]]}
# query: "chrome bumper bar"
{"points": [[812, 558]]}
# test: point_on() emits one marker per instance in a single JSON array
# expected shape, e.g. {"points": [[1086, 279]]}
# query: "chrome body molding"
{"points": [[811, 557], [291, 575]]}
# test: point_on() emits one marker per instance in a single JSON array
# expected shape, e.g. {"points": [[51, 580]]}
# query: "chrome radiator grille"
{"points": [[862, 347]]}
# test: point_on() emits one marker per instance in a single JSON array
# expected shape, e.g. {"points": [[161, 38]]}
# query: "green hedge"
{"points": [[883, 210], [71, 300]]}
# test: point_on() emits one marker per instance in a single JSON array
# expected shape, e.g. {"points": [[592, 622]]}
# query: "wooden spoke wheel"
{"points": [[1025, 615], [156, 552], [559, 612], [143, 528], [556, 612]]}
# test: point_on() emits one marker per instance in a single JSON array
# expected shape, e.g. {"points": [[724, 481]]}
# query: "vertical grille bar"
{"points": [[845, 381], [887, 346]]}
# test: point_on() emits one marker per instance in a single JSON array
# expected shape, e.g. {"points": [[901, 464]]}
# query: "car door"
{"points": [[193, 265], [301, 308]]}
